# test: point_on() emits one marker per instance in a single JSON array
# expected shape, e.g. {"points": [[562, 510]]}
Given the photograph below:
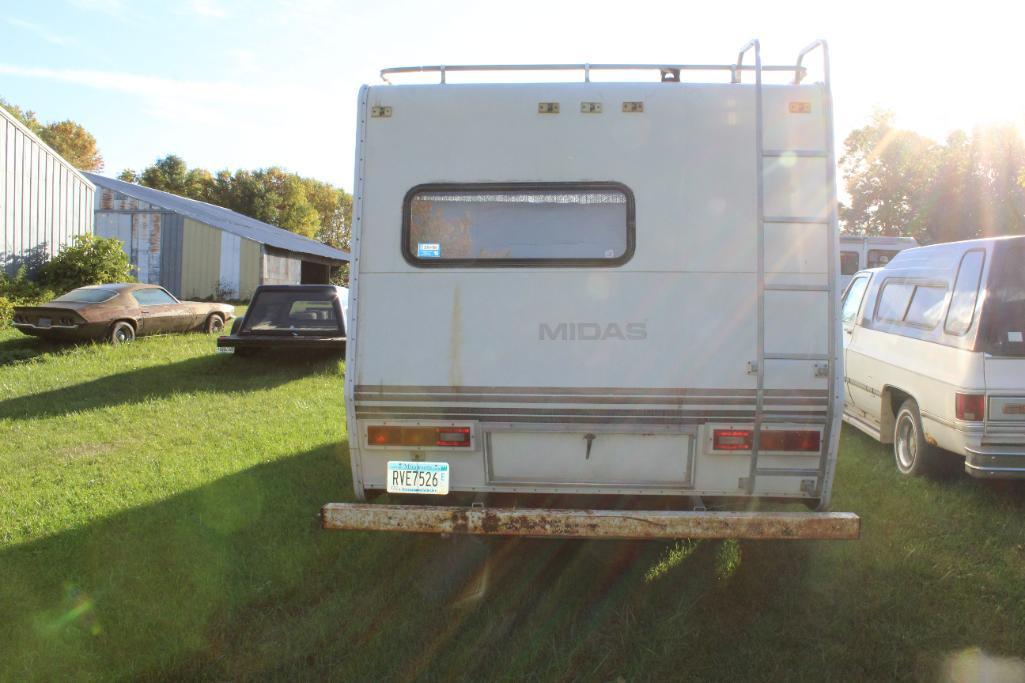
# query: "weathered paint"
{"points": [[250, 268], [44, 202], [171, 241], [606, 524], [281, 268], [228, 281], [201, 259]]}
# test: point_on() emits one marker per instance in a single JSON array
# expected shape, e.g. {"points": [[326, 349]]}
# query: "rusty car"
{"points": [[286, 317], [118, 313]]}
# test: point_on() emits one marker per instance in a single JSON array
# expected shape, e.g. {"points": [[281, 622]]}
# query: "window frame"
{"points": [[876, 316], [953, 293], [552, 187], [846, 295]]}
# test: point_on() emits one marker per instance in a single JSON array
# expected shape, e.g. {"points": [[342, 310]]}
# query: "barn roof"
{"points": [[223, 219]]}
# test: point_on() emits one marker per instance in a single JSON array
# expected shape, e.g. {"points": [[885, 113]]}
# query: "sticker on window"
{"points": [[428, 250]]}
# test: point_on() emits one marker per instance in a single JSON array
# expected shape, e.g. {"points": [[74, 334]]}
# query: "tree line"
{"points": [[306, 206], [69, 139]]}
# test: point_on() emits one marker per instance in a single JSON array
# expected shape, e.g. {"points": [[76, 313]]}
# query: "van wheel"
{"points": [[121, 332], [910, 451], [214, 324]]}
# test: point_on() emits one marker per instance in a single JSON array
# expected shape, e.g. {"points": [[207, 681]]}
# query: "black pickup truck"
{"points": [[285, 317]]}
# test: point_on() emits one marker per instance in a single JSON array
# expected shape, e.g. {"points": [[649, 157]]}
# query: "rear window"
{"points": [[878, 258], [848, 262], [487, 225], [86, 296], [1003, 315], [293, 312], [966, 292]]}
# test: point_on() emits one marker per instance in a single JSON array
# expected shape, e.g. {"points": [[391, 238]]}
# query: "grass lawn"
{"points": [[158, 519]]}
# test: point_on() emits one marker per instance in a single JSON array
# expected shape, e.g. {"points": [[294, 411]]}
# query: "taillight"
{"points": [[731, 439], [793, 440], [454, 437], [970, 407]]}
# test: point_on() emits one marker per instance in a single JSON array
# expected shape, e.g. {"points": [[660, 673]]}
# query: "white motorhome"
{"points": [[935, 355], [625, 289], [862, 253]]}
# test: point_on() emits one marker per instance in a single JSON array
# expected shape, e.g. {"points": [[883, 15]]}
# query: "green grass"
{"points": [[158, 519]]}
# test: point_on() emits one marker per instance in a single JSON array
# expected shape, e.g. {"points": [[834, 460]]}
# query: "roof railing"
{"points": [[669, 72]]}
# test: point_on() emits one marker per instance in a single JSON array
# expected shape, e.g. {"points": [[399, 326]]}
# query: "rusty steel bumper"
{"points": [[608, 524]]}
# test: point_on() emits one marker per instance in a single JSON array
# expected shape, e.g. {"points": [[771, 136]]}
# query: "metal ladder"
{"points": [[830, 222]]}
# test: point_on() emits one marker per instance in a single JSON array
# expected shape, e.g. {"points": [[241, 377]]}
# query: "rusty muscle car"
{"points": [[118, 313]]}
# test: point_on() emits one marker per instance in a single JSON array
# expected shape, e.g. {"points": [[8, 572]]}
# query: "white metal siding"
{"points": [[230, 265], [44, 203]]}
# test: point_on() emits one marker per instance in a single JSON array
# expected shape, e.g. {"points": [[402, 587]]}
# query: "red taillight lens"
{"points": [[799, 440], [805, 441], [731, 439], [455, 437], [970, 407]]}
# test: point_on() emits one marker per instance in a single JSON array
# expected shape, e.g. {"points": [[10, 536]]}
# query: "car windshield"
{"points": [[293, 312], [86, 295], [1003, 315]]}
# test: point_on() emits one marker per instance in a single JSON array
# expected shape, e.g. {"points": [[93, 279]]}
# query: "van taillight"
{"points": [[970, 407], [731, 439], [794, 440], [455, 437]]}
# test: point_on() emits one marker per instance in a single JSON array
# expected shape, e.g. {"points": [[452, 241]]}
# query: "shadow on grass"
{"points": [[25, 348], [235, 580], [210, 373]]}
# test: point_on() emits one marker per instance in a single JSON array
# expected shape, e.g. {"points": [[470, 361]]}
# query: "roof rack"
{"points": [[670, 73]]}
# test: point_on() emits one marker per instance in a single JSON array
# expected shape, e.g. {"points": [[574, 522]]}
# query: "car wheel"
{"points": [[911, 452], [214, 324], [121, 332]]}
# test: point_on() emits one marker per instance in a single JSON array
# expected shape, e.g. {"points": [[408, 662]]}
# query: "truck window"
{"points": [[849, 262], [966, 292], [926, 306], [518, 224], [880, 257], [852, 299], [893, 301]]}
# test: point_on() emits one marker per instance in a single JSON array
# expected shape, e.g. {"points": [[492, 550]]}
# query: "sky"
{"points": [[257, 83]]}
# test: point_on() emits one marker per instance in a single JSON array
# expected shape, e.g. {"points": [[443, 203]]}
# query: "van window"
{"points": [[926, 307], [880, 257], [519, 224], [893, 301], [848, 262], [966, 292], [852, 299], [1002, 323]]}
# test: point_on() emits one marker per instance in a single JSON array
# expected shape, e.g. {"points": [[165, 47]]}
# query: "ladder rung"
{"points": [[802, 153], [796, 356], [797, 288], [796, 219], [787, 472]]}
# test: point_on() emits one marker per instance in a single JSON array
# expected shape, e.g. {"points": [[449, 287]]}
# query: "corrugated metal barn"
{"points": [[44, 201], [198, 250]]}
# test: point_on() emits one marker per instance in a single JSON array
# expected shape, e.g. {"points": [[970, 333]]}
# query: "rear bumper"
{"points": [[995, 462], [281, 342], [604, 524]]}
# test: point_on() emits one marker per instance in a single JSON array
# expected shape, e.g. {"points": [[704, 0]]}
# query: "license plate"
{"points": [[225, 349], [418, 477], [43, 322]]}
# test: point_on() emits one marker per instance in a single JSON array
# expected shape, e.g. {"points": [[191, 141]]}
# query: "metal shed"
{"points": [[44, 201], [198, 250]]}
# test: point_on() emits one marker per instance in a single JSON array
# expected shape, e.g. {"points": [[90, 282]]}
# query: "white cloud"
{"points": [[40, 31], [207, 8]]}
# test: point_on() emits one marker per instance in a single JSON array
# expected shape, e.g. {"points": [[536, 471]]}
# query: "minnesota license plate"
{"points": [[418, 477]]}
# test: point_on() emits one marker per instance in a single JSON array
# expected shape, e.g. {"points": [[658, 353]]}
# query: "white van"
{"points": [[579, 289], [862, 253], [935, 355]]}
